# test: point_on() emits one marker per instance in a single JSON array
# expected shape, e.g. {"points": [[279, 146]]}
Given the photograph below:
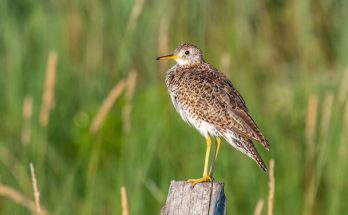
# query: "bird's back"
{"points": [[207, 100]]}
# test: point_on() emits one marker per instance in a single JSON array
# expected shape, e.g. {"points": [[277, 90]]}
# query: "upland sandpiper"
{"points": [[206, 99]]}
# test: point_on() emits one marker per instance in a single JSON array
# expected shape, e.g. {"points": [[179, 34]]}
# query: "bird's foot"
{"points": [[205, 178]]}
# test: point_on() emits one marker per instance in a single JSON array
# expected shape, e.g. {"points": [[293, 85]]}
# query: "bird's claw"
{"points": [[206, 178]]}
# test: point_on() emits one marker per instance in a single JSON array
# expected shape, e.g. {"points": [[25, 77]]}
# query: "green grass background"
{"points": [[281, 53]]}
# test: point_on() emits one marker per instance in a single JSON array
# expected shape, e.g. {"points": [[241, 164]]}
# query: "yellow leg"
{"points": [[217, 147], [205, 177]]}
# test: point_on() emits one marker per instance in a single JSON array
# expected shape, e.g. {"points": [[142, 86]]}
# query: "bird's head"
{"points": [[185, 54]]}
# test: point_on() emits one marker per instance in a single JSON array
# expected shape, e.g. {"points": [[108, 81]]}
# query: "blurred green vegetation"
{"points": [[277, 53]]}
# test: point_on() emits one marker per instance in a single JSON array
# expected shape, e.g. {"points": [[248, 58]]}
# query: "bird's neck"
{"points": [[191, 64]]}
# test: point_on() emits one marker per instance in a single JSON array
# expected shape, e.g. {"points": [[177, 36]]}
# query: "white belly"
{"points": [[202, 126]]}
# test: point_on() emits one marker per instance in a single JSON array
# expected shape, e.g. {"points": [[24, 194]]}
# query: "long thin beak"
{"points": [[171, 56]]}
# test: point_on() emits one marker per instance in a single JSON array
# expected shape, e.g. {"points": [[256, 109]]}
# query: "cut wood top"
{"points": [[205, 198]]}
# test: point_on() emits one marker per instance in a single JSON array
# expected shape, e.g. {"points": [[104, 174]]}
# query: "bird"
{"points": [[207, 100]]}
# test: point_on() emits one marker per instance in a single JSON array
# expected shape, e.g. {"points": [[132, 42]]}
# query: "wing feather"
{"points": [[225, 100]]}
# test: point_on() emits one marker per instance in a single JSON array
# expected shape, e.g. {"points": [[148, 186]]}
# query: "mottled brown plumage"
{"points": [[206, 99]]}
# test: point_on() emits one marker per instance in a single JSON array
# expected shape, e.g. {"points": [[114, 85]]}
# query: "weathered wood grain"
{"points": [[204, 199]]}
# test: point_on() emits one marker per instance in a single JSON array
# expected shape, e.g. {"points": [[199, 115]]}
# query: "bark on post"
{"points": [[204, 199]]}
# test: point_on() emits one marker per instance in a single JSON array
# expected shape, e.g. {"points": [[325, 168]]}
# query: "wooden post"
{"points": [[205, 199]]}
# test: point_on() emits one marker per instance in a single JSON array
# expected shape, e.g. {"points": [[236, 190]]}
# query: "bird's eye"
{"points": [[187, 53]]}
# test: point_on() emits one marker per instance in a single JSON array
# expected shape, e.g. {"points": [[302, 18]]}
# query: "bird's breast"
{"points": [[188, 114]]}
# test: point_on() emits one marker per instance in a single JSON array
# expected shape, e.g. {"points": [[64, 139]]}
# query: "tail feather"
{"points": [[255, 155], [260, 137], [247, 147]]}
